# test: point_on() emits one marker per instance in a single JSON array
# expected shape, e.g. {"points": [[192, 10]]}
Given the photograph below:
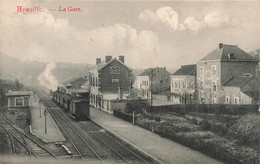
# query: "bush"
{"points": [[136, 105], [247, 130], [205, 125]]}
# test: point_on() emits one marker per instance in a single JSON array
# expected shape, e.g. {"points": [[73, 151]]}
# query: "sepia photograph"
{"points": [[164, 82]]}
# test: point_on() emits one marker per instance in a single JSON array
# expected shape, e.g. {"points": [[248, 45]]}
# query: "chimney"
{"points": [[98, 60], [164, 68], [108, 58], [220, 45], [122, 59]]}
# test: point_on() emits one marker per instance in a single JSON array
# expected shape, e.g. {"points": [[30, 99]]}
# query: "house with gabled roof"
{"points": [[242, 90], [153, 83], [183, 84], [110, 80], [219, 66]]}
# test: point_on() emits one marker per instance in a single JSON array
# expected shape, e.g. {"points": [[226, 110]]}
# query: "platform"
{"points": [[160, 149], [38, 124]]}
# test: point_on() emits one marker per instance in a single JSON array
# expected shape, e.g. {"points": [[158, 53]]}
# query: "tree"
{"points": [[17, 85]]}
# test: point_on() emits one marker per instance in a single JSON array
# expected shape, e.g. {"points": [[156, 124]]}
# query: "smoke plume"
{"points": [[46, 78]]}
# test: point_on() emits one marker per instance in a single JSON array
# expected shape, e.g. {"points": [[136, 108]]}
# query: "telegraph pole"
{"points": [[151, 86]]}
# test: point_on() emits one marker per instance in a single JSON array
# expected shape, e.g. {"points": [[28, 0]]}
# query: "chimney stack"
{"points": [[98, 60], [220, 45], [122, 59], [108, 58]]}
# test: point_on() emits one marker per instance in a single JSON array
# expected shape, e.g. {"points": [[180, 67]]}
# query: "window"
{"points": [[201, 84], [227, 100], [214, 100], [19, 101], [115, 80], [214, 86], [236, 100], [176, 85], [201, 71], [145, 83], [114, 70], [214, 71]]}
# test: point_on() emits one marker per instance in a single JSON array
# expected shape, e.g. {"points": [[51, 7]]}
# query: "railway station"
{"points": [[134, 82]]}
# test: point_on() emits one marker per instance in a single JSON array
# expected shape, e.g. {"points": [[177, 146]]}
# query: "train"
{"points": [[76, 103]]}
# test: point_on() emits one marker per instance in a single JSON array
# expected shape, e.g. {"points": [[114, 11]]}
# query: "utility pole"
{"points": [[130, 88], [151, 86]]}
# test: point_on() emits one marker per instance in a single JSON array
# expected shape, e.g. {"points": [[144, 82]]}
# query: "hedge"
{"points": [[226, 109]]}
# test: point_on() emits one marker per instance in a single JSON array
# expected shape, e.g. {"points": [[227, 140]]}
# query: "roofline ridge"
{"points": [[110, 61]]}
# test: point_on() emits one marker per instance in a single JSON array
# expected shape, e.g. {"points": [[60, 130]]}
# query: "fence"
{"points": [[124, 116], [207, 108]]}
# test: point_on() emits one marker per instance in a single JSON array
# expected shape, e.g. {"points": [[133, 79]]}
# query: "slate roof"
{"points": [[75, 82], [222, 54], [103, 64], [246, 83], [186, 70], [147, 72], [236, 81]]}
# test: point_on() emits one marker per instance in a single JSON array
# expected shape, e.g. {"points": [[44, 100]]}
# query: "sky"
{"points": [[149, 34]]}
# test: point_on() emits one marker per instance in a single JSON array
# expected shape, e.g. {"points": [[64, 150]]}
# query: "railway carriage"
{"points": [[66, 102]]}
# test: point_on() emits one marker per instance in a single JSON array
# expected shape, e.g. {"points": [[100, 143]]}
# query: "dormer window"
{"points": [[231, 56]]}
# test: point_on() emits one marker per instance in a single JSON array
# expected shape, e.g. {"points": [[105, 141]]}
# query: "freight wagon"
{"points": [[76, 103], [79, 109]]}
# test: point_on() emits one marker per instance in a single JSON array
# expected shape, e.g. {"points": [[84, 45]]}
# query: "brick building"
{"points": [[183, 83], [219, 66], [111, 79]]}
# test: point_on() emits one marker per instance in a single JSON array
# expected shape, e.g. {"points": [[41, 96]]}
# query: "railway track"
{"points": [[22, 144], [120, 151], [129, 155], [82, 149]]}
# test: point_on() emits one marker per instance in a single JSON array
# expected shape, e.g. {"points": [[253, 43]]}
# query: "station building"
{"points": [[110, 80]]}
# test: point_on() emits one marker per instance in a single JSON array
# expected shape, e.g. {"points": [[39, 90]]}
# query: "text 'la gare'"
{"points": [[69, 9]]}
